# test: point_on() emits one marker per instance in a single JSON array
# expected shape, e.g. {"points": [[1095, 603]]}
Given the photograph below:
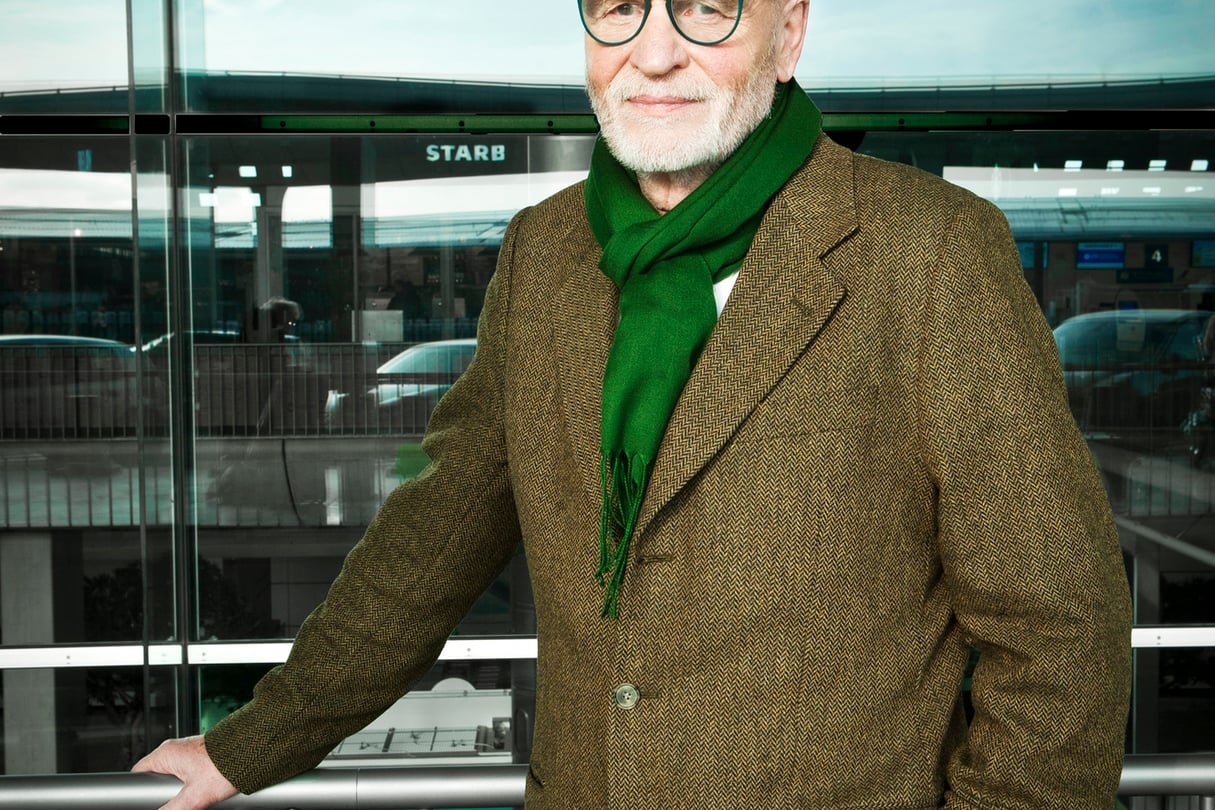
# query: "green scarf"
{"points": [[665, 267]]}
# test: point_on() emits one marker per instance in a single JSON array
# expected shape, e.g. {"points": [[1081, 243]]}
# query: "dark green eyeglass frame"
{"points": [[645, 15]]}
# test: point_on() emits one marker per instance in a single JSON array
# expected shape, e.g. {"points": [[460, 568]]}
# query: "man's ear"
{"points": [[791, 36]]}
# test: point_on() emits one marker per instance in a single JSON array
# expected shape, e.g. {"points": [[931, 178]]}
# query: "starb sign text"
{"points": [[464, 153]]}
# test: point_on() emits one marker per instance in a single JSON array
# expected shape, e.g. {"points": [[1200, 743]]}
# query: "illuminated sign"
{"points": [[466, 153], [1099, 255]]}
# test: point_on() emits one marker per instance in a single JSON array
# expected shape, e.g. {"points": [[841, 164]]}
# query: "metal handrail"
{"points": [[1169, 775], [321, 789], [393, 788]]}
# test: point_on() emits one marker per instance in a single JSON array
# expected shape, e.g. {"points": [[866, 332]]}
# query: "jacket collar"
{"points": [[784, 296]]}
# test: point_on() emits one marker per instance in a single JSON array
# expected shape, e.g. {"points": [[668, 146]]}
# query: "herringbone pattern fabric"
{"points": [[872, 465]]}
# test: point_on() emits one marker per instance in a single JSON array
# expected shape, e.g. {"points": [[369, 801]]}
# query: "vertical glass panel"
{"points": [[164, 435], [67, 56], [242, 57], [75, 397], [150, 56], [336, 284], [93, 720]]}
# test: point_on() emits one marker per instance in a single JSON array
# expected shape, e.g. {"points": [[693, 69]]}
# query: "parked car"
{"points": [[406, 389], [67, 387], [1135, 374]]}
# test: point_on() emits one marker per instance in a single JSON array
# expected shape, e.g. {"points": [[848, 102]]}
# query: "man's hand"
{"points": [[186, 758]]}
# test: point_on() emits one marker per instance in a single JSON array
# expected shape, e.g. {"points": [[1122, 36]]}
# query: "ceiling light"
{"points": [[1193, 189], [248, 171], [1199, 166], [1073, 165], [1157, 165], [1151, 190], [1109, 191], [1068, 192], [1115, 165], [288, 171]]}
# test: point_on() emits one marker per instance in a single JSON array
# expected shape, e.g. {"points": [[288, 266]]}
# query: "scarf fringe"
{"points": [[618, 512]]}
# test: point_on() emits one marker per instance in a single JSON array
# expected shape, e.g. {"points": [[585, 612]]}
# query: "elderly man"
{"points": [[784, 434]]}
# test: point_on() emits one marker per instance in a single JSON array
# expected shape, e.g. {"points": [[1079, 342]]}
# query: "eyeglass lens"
{"points": [[706, 22]]}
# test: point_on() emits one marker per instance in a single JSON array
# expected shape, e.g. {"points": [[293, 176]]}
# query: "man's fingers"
{"points": [[190, 799], [187, 759]]}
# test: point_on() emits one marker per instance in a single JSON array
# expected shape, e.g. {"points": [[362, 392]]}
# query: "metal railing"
{"points": [[395, 788], [320, 789]]}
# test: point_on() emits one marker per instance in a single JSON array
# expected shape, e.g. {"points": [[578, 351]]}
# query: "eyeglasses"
{"points": [[708, 22]]}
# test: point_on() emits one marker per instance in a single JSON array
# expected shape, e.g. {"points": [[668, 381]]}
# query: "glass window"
{"points": [[411, 55], [83, 447], [1174, 709], [83, 720], [68, 56], [336, 295]]}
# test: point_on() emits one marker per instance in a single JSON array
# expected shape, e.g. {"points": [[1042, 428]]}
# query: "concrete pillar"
{"points": [[26, 618]]}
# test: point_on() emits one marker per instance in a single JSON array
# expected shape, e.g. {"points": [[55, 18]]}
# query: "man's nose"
{"points": [[658, 48]]}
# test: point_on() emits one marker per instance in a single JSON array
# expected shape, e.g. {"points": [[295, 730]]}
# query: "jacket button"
{"points": [[626, 696]]}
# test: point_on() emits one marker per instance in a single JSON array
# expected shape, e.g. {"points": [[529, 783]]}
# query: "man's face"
{"points": [[668, 105]]}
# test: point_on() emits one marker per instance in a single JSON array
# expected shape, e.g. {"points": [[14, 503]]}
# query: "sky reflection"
{"points": [[877, 42]]}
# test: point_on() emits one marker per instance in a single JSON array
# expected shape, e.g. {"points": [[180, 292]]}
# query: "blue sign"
{"points": [[1100, 255], [1204, 253]]}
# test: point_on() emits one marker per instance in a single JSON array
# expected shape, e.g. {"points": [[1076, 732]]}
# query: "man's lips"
{"points": [[661, 105]]}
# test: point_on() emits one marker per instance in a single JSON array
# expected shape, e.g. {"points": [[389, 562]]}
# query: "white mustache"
{"points": [[626, 87]]}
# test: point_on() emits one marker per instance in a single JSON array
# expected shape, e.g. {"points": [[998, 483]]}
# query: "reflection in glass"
{"points": [[1173, 710], [82, 720], [262, 583], [66, 56], [458, 713], [237, 57]]}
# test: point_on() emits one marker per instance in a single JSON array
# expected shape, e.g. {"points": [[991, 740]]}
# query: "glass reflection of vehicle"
{"points": [[160, 344], [245, 388], [66, 387], [406, 391], [1134, 374]]}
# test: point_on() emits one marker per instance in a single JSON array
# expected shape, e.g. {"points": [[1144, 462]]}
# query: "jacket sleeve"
{"points": [[434, 546], [1029, 551]]}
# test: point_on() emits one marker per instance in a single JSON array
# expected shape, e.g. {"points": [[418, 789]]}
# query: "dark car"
{"points": [[406, 389], [66, 387], [1135, 374]]}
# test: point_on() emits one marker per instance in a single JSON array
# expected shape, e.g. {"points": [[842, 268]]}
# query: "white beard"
{"points": [[701, 138]]}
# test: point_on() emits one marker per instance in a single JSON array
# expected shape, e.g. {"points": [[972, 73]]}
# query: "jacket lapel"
{"points": [[783, 297], [584, 320]]}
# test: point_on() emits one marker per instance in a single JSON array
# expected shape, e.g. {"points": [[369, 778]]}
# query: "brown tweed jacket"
{"points": [[872, 465]]}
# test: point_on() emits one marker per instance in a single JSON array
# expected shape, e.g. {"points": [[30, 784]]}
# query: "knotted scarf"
{"points": [[665, 267]]}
